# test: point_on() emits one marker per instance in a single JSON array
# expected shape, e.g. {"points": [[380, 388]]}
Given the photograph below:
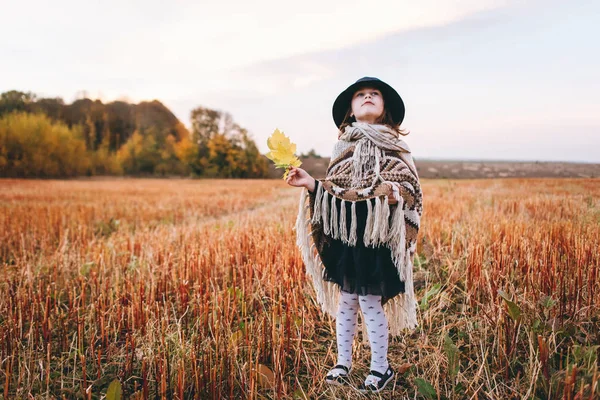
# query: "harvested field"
{"points": [[181, 288]]}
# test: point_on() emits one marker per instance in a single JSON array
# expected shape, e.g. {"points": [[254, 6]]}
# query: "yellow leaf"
{"points": [[282, 151], [282, 158], [278, 140]]}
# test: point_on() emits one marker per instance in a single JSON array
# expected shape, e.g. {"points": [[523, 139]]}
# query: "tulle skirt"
{"points": [[360, 269]]}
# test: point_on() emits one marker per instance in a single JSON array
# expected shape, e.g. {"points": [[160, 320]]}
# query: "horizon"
{"points": [[510, 81]]}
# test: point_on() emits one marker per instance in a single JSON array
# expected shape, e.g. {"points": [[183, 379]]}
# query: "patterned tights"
{"points": [[376, 323]]}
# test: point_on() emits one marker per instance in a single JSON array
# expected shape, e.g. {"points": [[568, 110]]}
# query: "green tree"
{"points": [[15, 100]]}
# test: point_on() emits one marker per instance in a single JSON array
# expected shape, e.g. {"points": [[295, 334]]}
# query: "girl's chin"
{"points": [[367, 120]]}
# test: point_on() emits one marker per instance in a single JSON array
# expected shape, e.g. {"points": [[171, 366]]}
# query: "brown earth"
{"points": [[473, 169]]}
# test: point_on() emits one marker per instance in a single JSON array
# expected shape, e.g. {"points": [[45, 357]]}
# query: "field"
{"points": [[456, 169], [182, 288]]}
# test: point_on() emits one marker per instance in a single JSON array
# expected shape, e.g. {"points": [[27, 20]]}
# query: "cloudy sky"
{"points": [[481, 79]]}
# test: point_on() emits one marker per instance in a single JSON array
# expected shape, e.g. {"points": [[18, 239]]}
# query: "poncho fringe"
{"points": [[401, 310], [369, 163]]}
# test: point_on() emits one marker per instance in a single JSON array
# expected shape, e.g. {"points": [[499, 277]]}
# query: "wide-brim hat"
{"points": [[392, 100]]}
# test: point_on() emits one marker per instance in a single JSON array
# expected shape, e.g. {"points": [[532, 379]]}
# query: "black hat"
{"points": [[392, 100]]}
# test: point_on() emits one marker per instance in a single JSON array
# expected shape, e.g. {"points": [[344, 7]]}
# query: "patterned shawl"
{"points": [[369, 163]]}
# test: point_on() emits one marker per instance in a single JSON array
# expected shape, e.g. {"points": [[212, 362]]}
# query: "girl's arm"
{"points": [[300, 178]]}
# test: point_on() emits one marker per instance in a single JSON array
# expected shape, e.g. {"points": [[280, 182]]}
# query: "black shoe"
{"points": [[372, 385], [338, 375]]}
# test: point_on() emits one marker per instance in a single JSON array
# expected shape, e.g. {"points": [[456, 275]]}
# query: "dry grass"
{"points": [[195, 289]]}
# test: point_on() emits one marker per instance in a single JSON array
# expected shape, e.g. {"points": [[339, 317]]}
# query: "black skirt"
{"points": [[360, 269]]}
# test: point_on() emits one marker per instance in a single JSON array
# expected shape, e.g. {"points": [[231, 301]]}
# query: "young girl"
{"points": [[360, 237]]}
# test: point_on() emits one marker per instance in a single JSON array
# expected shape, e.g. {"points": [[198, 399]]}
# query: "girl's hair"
{"points": [[384, 119]]}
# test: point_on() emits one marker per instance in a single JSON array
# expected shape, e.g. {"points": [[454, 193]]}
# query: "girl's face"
{"points": [[367, 105]]}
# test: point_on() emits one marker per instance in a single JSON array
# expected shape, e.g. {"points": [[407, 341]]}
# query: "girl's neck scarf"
{"points": [[371, 142]]}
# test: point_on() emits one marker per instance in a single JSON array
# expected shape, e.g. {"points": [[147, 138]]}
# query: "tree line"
{"points": [[45, 137]]}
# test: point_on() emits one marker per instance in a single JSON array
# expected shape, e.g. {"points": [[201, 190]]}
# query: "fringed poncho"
{"points": [[368, 162]]}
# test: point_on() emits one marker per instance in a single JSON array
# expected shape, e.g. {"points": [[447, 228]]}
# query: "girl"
{"points": [[360, 237]]}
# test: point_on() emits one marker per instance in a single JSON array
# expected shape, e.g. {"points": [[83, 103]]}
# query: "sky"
{"points": [[481, 79]]}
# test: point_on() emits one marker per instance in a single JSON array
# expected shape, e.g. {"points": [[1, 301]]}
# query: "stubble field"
{"points": [[195, 289]]}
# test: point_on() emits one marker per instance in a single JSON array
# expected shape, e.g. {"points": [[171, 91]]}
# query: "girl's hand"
{"points": [[300, 178]]}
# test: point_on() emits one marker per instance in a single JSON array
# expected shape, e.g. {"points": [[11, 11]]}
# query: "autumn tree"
{"points": [[32, 145], [15, 100], [139, 155], [311, 154], [225, 149], [52, 107], [144, 138], [186, 152], [121, 123]]}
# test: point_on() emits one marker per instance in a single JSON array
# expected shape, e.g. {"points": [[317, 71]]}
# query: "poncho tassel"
{"points": [[397, 240], [397, 220], [333, 223], [376, 223], [369, 224], [343, 227], [352, 238], [325, 212], [318, 197], [384, 220]]}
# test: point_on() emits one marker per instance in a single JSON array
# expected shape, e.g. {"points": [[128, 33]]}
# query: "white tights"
{"points": [[376, 323]]}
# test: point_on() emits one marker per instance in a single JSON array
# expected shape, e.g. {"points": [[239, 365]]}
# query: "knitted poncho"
{"points": [[369, 162]]}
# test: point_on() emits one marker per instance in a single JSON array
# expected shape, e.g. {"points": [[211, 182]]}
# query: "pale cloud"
{"points": [[481, 79], [242, 33], [147, 49]]}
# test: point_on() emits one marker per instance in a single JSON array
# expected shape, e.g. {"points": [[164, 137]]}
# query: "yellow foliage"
{"points": [[282, 151], [32, 145], [139, 154], [186, 151]]}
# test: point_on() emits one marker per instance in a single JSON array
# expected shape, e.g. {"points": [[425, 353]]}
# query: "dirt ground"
{"points": [[475, 169]]}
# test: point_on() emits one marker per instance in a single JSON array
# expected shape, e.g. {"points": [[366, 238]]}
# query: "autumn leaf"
{"points": [[282, 151], [114, 391]]}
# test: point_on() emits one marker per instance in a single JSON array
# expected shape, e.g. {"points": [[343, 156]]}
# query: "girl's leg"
{"points": [[346, 326], [377, 326]]}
